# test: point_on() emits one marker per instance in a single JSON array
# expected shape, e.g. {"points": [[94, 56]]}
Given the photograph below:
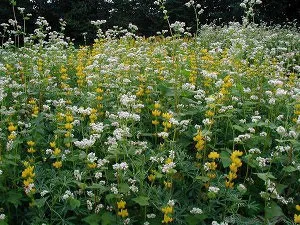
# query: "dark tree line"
{"points": [[143, 13]]}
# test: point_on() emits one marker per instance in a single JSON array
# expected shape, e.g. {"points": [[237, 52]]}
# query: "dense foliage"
{"points": [[179, 130], [143, 13]]}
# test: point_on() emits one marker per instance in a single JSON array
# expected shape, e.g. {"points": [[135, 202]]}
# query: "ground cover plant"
{"points": [[133, 130]]}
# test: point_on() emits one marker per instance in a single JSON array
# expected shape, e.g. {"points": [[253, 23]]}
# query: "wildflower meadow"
{"points": [[170, 129]]}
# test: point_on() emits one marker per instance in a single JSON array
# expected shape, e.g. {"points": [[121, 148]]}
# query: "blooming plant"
{"points": [[139, 130]]}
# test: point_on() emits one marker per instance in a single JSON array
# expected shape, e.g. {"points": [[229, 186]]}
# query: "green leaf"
{"points": [[273, 211], [74, 203], [124, 188], [203, 178], [40, 202], [195, 219], [14, 198], [225, 158], [93, 219], [141, 200], [289, 169], [239, 128], [108, 218], [265, 176]]}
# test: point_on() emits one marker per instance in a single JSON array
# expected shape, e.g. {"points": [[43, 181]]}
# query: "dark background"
{"points": [[143, 13]]}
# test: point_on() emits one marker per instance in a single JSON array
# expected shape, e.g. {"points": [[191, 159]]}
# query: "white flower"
{"points": [[281, 130], [91, 157], [1, 172], [151, 216], [44, 192], [214, 189], [196, 211], [2, 216]]}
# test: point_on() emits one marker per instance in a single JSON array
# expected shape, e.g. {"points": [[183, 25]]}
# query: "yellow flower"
{"points": [[167, 219], [52, 144], [156, 105], [28, 181], [167, 209], [156, 112], [31, 150], [168, 184], [155, 122], [151, 177], [57, 164], [123, 213], [28, 172], [167, 116], [213, 155], [11, 127], [30, 143], [121, 204], [68, 126], [298, 207], [92, 165], [56, 152], [69, 118], [297, 219]]}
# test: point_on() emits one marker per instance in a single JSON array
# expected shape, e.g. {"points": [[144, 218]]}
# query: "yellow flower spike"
{"points": [[167, 124], [52, 144], [157, 105], [92, 165], [57, 164], [31, 150], [121, 204], [167, 219], [30, 143], [56, 151], [213, 155], [123, 213], [151, 177], [68, 126], [69, 118], [298, 207], [297, 219], [168, 184], [167, 116], [11, 127], [156, 113], [212, 166], [28, 181], [155, 122], [167, 209]]}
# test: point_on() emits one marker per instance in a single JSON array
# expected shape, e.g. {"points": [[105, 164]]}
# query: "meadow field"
{"points": [[158, 130]]}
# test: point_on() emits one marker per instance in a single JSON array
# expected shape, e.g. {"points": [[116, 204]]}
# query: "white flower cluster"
{"points": [[188, 87], [101, 162], [128, 116], [77, 175], [168, 167], [225, 108], [281, 130], [2, 216], [98, 22], [120, 166], [67, 194], [254, 150], [241, 138], [85, 143], [216, 223], [263, 162], [271, 192], [196, 211], [214, 189], [91, 157], [120, 133], [97, 127], [128, 99]]}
